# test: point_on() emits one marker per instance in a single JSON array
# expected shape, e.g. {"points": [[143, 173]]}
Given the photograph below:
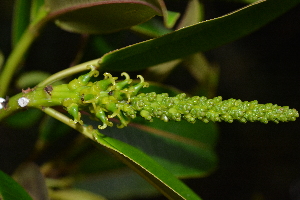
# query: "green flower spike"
{"points": [[107, 98], [192, 108]]}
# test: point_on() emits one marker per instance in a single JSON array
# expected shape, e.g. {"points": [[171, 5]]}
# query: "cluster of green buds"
{"points": [[109, 98], [216, 110]]}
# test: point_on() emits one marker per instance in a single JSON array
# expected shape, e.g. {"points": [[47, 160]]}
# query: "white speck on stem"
{"points": [[23, 101], [1, 101]]}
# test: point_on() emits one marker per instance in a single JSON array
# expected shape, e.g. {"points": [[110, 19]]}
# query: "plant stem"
{"points": [[69, 72], [13, 105], [88, 131], [15, 59], [18, 54]]}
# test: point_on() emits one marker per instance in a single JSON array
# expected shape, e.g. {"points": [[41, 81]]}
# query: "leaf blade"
{"points": [[21, 19], [105, 16], [186, 154], [200, 37], [10, 189], [162, 179]]}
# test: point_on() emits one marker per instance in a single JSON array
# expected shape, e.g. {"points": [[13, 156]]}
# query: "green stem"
{"points": [[38, 96], [18, 54], [15, 59], [69, 72], [88, 131], [13, 106]]}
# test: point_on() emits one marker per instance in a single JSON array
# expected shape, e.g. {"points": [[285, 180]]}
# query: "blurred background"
{"points": [[257, 161]]}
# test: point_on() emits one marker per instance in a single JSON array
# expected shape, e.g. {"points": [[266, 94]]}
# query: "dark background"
{"points": [[257, 161]]}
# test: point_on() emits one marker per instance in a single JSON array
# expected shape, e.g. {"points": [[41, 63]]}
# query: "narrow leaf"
{"points": [[102, 16], [194, 13], [146, 167], [10, 189], [172, 18], [184, 153], [152, 28], [35, 7], [21, 19], [159, 177], [200, 37]]}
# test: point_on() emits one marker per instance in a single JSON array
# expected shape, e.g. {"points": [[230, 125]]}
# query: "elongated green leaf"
{"points": [[35, 7], [185, 150], [21, 19], [172, 18], [10, 189], [200, 37], [154, 173], [102, 16], [152, 28], [194, 13]]}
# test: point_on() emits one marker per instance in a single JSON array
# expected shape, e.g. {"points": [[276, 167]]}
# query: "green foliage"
{"points": [[10, 189], [191, 108], [21, 19], [202, 36], [160, 152], [79, 16], [162, 179]]}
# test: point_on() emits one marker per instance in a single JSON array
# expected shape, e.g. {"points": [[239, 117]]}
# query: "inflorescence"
{"points": [[108, 98], [192, 108]]}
